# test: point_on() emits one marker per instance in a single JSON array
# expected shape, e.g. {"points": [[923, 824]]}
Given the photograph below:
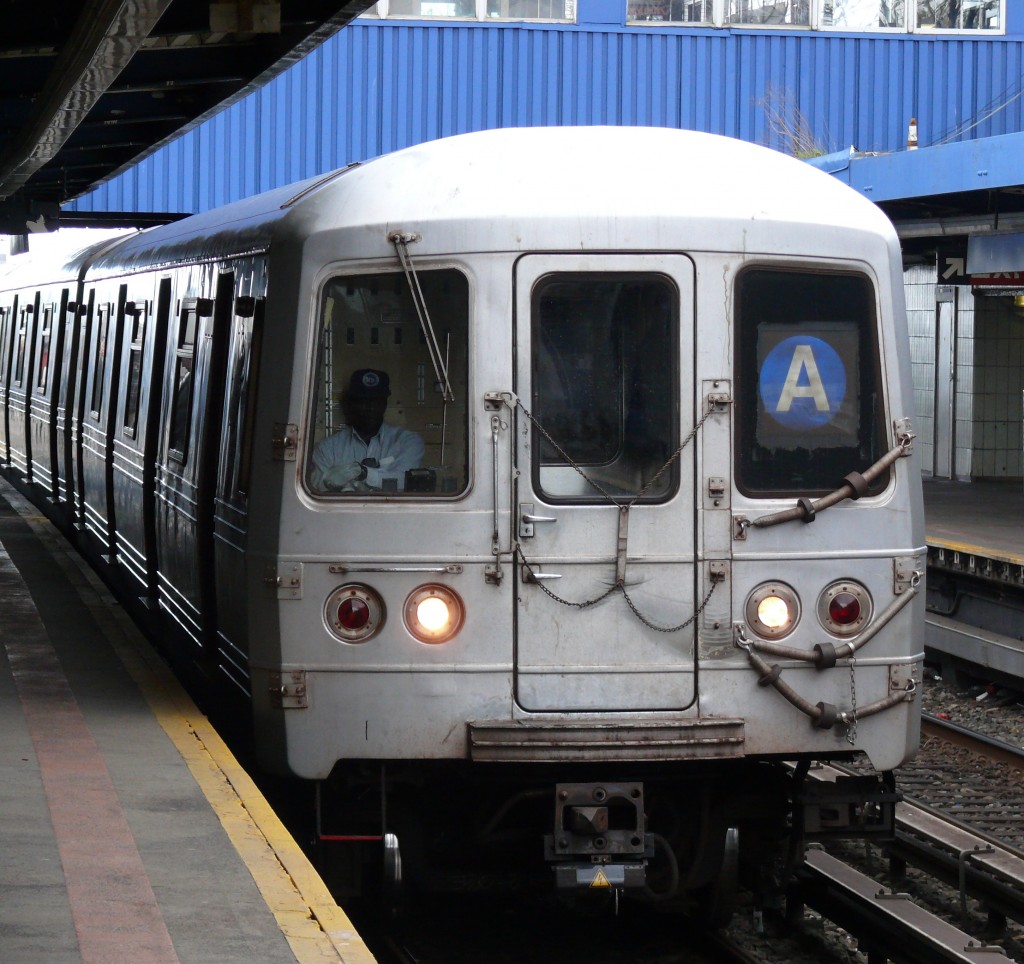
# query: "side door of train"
{"points": [[70, 340], [97, 408], [19, 397], [231, 516], [187, 470], [608, 580], [137, 431], [44, 387], [7, 314]]}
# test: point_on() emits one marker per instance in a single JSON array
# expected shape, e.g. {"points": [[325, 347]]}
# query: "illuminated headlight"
{"points": [[433, 614], [772, 610], [844, 608], [354, 613]]}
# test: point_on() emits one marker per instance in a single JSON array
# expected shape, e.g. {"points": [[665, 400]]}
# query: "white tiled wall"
{"points": [[988, 416], [998, 383], [919, 286], [964, 406]]}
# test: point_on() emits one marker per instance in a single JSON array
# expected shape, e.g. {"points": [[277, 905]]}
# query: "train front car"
{"points": [[599, 506]]}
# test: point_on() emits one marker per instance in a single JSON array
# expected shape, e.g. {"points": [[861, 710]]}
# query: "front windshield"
{"points": [[380, 423], [809, 405]]}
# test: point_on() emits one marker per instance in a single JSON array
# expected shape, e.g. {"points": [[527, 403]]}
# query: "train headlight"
{"points": [[433, 614], [844, 608], [772, 610], [354, 613]]}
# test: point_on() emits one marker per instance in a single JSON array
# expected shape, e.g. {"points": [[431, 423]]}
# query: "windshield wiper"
{"points": [[401, 241]]}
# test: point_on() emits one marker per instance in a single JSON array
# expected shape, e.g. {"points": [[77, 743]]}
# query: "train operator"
{"points": [[366, 454]]}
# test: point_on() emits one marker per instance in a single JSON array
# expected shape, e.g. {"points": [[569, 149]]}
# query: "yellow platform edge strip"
{"points": [[316, 928], [996, 555]]}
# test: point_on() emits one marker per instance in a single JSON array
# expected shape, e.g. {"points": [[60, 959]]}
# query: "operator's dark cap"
{"points": [[369, 383]]}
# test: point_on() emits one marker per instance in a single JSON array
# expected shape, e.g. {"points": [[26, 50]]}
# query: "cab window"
{"points": [[388, 420], [809, 407]]}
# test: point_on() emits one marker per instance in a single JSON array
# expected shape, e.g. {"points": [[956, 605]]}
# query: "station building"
{"points": [[918, 104]]}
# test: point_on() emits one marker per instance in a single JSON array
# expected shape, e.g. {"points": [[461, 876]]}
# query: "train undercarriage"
{"points": [[689, 842]]}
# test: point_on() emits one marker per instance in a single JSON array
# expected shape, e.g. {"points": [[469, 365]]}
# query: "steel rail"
{"points": [[971, 861], [888, 925], [961, 736]]}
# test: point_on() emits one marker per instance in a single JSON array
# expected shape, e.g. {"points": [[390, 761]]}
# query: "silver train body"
{"points": [[664, 530]]}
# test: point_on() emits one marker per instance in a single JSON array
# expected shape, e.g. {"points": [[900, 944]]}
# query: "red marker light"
{"points": [[353, 614], [844, 608]]}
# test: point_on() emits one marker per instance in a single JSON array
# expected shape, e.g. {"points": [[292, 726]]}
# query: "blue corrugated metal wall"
{"points": [[378, 86]]}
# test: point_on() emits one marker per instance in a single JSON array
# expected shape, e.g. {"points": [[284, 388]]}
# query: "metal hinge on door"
{"points": [[286, 579], [288, 690], [285, 441]]}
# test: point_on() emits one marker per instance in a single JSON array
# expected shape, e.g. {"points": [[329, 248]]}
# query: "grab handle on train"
{"points": [[527, 520]]}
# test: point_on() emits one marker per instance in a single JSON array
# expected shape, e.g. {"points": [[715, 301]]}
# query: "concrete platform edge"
{"points": [[316, 928]]}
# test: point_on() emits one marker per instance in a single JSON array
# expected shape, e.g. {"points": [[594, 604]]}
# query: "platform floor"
{"points": [[130, 833], [979, 518]]}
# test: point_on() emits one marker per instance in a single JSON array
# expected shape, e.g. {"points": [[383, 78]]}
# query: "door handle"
{"points": [[529, 576], [527, 520]]}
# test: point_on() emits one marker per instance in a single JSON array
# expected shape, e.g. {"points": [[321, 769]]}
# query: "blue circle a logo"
{"points": [[802, 382]]}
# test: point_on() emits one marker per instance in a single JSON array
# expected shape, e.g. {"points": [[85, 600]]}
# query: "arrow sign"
{"points": [[954, 268]]}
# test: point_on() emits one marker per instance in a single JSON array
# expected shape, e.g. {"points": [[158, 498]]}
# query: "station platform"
{"points": [[130, 832], [976, 530], [981, 519]]}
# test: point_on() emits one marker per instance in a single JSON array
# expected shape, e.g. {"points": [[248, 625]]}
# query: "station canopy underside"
{"points": [[90, 88]]}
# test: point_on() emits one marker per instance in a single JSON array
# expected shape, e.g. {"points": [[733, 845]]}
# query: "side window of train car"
{"points": [[5, 316], [383, 421], [181, 390], [103, 316], [136, 316], [605, 386], [243, 366], [21, 346], [42, 378], [809, 399]]}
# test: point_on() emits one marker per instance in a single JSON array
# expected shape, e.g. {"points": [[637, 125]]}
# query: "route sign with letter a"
{"points": [[808, 384], [803, 382]]}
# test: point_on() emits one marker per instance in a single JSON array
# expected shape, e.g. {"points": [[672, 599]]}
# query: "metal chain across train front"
{"points": [[619, 584], [618, 587], [596, 485]]}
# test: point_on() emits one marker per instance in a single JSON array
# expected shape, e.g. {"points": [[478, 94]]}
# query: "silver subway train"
{"points": [[546, 497]]}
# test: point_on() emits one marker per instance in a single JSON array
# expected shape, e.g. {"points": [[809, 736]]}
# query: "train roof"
{"points": [[54, 258], [529, 189], [617, 188]]}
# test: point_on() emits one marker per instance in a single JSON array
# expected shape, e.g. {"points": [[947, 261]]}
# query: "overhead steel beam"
{"points": [[105, 38]]}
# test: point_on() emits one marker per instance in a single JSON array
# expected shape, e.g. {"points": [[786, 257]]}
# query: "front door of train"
{"points": [[605, 566]]}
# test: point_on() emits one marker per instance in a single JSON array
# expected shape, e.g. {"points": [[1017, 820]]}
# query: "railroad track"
{"points": [[991, 801], [888, 924], [969, 835]]}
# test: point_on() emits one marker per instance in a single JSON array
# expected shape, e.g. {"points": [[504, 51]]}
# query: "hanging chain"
{"points": [[671, 629], [618, 586], [851, 726]]}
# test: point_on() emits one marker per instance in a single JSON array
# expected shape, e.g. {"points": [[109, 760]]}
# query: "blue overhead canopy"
{"points": [[989, 163]]}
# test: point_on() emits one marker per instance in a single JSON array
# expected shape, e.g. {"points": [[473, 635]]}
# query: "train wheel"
{"points": [[392, 883], [717, 901]]}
